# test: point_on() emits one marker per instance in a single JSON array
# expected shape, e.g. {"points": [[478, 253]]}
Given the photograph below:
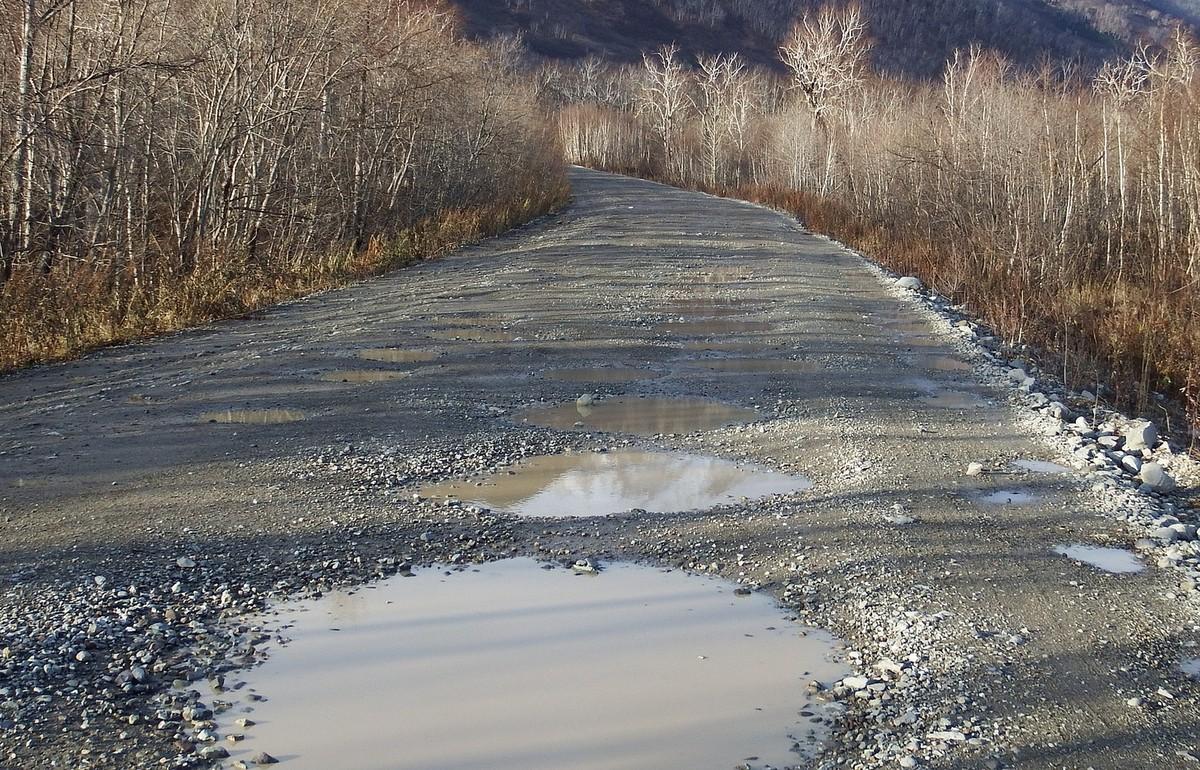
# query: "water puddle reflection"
{"points": [[640, 416], [601, 375], [1118, 561], [600, 483], [515, 667], [1008, 497], [253, 416]]}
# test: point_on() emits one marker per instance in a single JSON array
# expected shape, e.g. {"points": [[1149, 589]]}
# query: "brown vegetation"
{"points": [[163, 164], [1064, 211]]}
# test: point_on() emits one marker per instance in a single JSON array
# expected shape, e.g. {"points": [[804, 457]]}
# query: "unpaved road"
{"points": [[110, 468]]}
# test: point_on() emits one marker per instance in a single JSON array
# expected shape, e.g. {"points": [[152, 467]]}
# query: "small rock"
{"points": [[184, 562], [974, 469], [910, 282], [263, 758]]}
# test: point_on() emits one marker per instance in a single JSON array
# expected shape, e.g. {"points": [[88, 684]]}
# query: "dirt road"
{"points": [[125, 467]]}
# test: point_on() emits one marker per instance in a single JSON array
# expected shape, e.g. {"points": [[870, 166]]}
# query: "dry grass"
{"points": [[81, 307], [1096, 330]]}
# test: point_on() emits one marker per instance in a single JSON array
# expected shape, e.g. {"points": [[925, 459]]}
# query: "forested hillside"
{"points": [[912, 38]]}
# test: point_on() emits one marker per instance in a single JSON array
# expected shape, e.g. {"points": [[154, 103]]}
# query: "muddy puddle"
{"points": [[1008, 497], [1117, 561], [363, 376], [1040, 466], [253, 416], [397, 355], [716, 326], [755, 365], [601, 375], [474, 334], [600, 483], [512, 666], [640, 416]]}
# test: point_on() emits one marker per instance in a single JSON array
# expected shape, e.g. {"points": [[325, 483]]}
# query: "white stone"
{"points": [[909, 282]]}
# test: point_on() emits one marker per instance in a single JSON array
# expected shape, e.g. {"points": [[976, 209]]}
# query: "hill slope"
{"points": [[911, 36]]}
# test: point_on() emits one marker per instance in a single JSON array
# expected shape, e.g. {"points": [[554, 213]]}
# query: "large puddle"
{"points": [[516, 667], [600, 483], [601, 375], [640, 416], [1117, 561]]}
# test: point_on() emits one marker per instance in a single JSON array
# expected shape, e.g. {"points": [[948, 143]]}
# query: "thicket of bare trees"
{"points": [[1065, 209], [163, 162]]}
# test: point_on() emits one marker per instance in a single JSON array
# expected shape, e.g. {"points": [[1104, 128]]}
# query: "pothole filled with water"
{"points": [[600, 483], [1008, 497], [640, 416], [397, 355], [363, 376], [756, 365], [253, 416], [1190, 668], [601, 375], [1040, 466], [514, 667], [933, 394], [1115, 560]]}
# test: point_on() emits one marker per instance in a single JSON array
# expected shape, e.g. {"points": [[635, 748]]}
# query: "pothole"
{"points": [[397, 355], [1115, 560], [253, 416], [601, 375], [363, 376], [514, 667], [1008, 497], [640, 416], [1040, 466], [600, 483]]}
